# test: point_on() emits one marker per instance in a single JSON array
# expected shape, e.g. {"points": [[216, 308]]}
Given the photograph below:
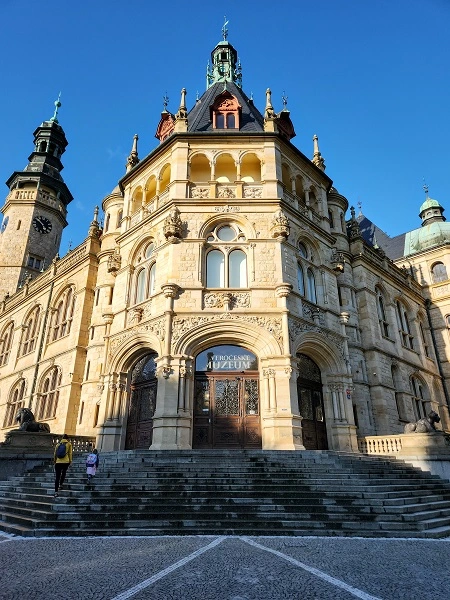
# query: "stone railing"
{"points": [[163, 198], [80, 443], [380, 444], [289, 197], [252, 191], [136, 218], [225, 190]]}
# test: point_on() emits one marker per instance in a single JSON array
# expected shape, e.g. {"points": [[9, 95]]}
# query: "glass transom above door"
{"points": [[226, 358]]}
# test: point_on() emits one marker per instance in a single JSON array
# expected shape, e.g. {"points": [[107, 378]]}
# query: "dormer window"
{"points": [[225, 111]]}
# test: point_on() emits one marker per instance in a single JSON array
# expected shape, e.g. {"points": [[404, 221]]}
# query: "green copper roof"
{"points": [[429, 203], [427, 236]]}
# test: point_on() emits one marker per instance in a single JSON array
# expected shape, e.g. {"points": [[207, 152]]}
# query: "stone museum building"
{"points": [[228, 299]]}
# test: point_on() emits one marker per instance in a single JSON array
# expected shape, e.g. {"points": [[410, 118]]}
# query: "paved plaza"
{"points": [[223, 568]]}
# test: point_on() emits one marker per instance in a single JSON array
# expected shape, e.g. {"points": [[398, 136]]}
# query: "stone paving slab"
{"points": [[223, 568]]}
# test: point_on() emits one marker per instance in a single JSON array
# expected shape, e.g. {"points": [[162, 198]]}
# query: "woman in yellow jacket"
{"points": [[62, 461]]}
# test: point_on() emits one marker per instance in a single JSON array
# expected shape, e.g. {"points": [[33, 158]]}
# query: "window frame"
{"points": [[49, 394], [404, 328], [15, 402], [6, 343], [30, 331]]}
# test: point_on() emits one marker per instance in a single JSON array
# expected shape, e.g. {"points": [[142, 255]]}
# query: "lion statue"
{"points": [[424, 425], [28, 423]]}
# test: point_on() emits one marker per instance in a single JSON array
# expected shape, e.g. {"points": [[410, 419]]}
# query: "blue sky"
{"points": [[370, 77]]}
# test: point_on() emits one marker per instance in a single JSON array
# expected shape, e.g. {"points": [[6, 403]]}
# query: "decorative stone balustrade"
{"points": [[136, 218], [252, 191], [380, 444]]}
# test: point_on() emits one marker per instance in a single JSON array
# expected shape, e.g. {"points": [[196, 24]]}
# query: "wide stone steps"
{"points": [[241, 493]]}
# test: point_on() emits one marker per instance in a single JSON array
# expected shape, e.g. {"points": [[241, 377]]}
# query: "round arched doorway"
{"points": [[142, 403], [226, 399], [310, 404]]}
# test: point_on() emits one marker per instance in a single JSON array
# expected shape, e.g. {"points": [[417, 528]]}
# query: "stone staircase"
{"points": [[230, 493]]}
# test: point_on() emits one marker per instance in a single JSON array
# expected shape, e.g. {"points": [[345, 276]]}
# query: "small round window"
{"points": [[226, 233]]}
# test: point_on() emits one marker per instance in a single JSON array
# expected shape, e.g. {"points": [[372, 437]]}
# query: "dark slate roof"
{"points": [[393, 246], [200, 117]]}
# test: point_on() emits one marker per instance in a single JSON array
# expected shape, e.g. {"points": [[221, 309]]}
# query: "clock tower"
{"points": [[35, 210]]}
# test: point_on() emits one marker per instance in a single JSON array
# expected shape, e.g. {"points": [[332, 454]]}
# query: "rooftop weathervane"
{"points": [[165, 101], [224, 29]]}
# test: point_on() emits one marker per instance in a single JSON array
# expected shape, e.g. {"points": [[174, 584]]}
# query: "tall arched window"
{"points": [[145, 275], [15, 403], [49, 394], [403, 326], [312, 296], [226, 266], [300, 280], [418, 398], [63, 315], [6, 340], [384, 325], [439, 272], [30, 331]]}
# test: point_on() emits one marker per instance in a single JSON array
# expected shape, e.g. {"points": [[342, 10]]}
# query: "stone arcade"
{"points": [[226, 302]]}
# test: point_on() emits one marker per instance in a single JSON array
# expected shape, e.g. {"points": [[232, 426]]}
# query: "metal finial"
{"points": [[196, 96], [96, 214], [165, 101], [284, 99], [251, 96], [57, 105], [224, 29], [425, 187], [359, 205]]}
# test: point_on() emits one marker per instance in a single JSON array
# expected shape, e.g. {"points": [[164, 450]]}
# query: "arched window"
{"points": [[300, 280], [302, 250], [403, 326], [226, 266], [312, 296], [119, 218], [49, 394], [396, 380], [439, 272], [63, 315], [330, 218], [384, 325], [6, 340], [107, 222], [15, 403], [30, 331], [141, 281], [220, 121], [145, 276], [231, 121], [418, 398]]}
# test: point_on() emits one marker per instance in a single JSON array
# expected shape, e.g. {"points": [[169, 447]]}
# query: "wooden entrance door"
{"points": [[311, 409], [144, 386], [226, 411]]}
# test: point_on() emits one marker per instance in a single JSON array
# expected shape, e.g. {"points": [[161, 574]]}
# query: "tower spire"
{"points": [[57, 106], [133, 159], [224, 29], [318, 158]]}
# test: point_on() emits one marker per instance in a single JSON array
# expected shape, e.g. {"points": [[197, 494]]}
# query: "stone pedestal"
{"points": [[22, 451], [428, 451], [25, 442]]}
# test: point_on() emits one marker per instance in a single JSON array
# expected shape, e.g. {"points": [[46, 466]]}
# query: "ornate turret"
{"points": [[44, 163], [225, 64], [430, 211]]}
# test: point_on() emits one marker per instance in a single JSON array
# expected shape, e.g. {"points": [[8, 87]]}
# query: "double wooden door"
{"points": [[226, 411], [310, 404]]}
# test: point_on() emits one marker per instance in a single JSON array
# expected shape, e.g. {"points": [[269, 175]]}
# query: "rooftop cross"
{"points": [[284, 99]]}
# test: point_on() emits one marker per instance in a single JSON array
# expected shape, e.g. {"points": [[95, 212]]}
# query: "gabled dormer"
{"points": [[226, 111]]}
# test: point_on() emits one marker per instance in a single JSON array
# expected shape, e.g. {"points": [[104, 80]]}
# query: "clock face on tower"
{"points": [[42, 224]]}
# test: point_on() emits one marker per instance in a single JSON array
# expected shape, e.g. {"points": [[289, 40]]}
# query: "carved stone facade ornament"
{"points": [[270, 324], [252, 192], [309, 311], [200, 192], [135, 315], [227, 299], [226, 192], [227, 209], [156, 327], [297, 326], [114, 261], [173, 226], [280, 226]]}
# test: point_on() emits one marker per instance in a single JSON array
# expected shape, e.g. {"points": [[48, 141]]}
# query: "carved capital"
{"points": [[170, 290]]}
